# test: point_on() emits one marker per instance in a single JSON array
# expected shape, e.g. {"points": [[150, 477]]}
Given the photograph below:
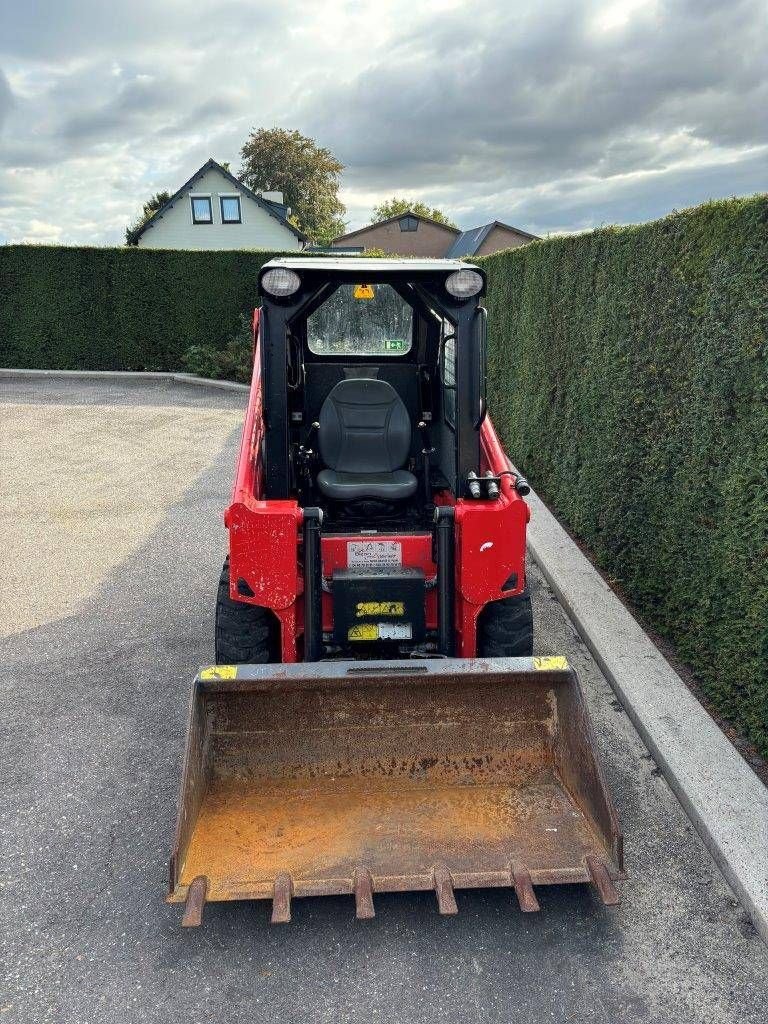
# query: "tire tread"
{"points": [[505, 628], [245, 633]]}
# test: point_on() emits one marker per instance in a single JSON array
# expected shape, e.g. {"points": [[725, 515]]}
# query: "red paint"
{"points": [[264, 540], [416, 554]]}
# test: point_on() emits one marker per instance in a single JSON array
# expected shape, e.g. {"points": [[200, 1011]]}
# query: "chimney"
{"points": [[273, 197]]}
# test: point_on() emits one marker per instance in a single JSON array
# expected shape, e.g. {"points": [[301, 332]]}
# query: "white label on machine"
{"points": [[374, 553], [395, 631]]}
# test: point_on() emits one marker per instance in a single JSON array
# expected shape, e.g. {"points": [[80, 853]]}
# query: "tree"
{"points": [[151, 206], [275, 159], [395, 207]]}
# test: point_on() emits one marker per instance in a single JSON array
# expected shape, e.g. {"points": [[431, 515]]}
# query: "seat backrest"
{"points": [[364, 428]]}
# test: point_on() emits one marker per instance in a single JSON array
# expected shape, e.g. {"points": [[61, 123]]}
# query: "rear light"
{"points": [[463, 284], [281, 282]]}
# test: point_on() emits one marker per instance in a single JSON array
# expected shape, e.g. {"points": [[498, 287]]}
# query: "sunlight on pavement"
{"points": [[83, 487]]}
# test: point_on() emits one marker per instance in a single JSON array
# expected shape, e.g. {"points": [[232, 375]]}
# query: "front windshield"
{"points": [[361, 320]]}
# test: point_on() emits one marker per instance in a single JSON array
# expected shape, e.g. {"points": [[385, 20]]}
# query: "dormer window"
{"points": [[230, 210], [409, 223], [202, 211]]}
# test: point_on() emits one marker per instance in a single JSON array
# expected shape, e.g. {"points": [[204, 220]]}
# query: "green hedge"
{"points": [[70, 308], [629, 379]]}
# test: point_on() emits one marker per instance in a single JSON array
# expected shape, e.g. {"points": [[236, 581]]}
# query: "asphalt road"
{"points": [[102, 641]]}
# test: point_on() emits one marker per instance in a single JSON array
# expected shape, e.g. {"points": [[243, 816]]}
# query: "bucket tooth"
{"points": [[193, 907], [526, 897], [602, 881], [281, 899], [362, 885], [446, 901]]}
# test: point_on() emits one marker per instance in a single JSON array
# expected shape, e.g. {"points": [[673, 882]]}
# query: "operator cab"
{"points": [[383, 365]]}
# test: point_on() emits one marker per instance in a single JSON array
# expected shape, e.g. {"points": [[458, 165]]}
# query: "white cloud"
{"points": [[611, 17], [40, 231], [550, 115]]}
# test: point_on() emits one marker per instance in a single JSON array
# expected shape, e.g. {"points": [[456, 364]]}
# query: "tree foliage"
{"points": [[395, 207], [151, 206], [275, 159]]}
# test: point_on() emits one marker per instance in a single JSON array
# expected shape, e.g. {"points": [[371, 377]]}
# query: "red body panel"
{"points": [[264, 541], [263, 535]]}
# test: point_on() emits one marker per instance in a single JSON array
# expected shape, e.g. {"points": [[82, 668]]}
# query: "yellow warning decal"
{"points": [[364, 609], [363, 631], [363, 291], [219, 672], [551, 664]]}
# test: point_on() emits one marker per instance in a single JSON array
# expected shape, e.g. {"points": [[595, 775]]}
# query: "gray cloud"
{"points": [[51, 30], [548, 96], [553, 115], [164, 107], [136, 101]]}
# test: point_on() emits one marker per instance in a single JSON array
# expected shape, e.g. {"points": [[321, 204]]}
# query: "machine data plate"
{"points": [[374, 553]]}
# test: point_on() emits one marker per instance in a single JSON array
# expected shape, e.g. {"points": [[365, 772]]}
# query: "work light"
{"points": [[281, 282], [463, 284]]}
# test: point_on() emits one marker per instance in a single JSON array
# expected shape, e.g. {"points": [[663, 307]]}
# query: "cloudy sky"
{"points": [[553, 115]]}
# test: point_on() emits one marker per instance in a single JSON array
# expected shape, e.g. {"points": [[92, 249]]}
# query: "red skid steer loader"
{"points": [[375, 721]]}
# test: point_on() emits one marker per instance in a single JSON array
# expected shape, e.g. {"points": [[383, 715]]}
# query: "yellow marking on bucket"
{"points": [[219, 672], [363, 291], [550, 664]]}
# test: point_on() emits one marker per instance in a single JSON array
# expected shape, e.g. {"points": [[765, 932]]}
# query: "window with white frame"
{"points": [[230, 209], [202, 210]]}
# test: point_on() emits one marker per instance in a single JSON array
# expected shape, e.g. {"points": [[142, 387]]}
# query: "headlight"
{"points": [[281, 282], [463, 284]]}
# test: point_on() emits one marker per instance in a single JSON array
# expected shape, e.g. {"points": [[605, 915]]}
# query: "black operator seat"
{"points": [[364, 439]]}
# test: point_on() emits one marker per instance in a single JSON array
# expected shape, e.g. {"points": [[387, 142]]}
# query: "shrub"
{"points": [[233, 362]]}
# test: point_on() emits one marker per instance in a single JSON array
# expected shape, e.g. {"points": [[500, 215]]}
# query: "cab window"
{"points": [[448, 371], [361, 320]]}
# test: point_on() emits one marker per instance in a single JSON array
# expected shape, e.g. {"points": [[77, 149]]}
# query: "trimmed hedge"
{"points": [[629, 379], [72, 308]]}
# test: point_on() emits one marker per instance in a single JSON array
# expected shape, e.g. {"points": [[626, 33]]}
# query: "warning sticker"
{"points": [[219, 672], [552, 664], [373, 553], [380, 631], [363, 631], [365, 609], [364, 291]]}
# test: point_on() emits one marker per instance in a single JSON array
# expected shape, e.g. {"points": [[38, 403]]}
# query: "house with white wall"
{"points": [[213, 210]]}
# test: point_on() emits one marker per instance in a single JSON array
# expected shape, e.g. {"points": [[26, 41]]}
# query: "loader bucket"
{"points": [[371, 777]]}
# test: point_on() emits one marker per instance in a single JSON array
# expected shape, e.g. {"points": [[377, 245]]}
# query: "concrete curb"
{"points": [[719, 792], [125, 375]]}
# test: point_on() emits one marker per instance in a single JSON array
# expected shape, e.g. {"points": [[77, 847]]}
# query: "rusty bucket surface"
{"points": [[368, 777]]}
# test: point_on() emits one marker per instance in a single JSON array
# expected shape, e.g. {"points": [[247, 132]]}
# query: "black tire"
{"points": [[505, 628], [245, 633]]}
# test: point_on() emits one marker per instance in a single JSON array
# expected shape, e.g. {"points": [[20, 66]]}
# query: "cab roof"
{"points": [[372, 263]]}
